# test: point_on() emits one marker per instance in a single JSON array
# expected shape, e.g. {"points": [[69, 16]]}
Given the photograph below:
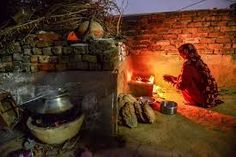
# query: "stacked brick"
{"points": [[58, 56], [211, 31]]}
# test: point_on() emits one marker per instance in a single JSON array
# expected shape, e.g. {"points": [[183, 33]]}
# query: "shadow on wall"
{"points": [[223, 68]]}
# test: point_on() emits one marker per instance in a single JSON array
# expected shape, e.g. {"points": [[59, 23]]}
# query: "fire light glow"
{"points": [[129, 76], [159, 91], [151, 79]]}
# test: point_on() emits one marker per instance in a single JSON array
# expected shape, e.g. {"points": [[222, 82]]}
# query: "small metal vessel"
{"points": [[168, 107]]}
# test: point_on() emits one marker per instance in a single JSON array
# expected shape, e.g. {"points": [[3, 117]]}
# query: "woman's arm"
{"points": [[170, 78], [185, 78]]}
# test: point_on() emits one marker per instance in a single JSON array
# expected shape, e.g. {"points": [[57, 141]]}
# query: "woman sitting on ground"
{"points": [[198, 86]]}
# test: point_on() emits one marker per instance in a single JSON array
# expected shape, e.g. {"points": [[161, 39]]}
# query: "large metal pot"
{"points": [[56, 104], [50, 104]]}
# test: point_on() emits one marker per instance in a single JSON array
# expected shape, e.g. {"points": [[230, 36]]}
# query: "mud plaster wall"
{"points": [[153, 39]]}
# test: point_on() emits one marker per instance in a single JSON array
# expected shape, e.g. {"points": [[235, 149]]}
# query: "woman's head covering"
{"points": [[189, 51]]}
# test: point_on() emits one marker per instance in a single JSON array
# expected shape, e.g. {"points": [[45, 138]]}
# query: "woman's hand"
{"points": [[170, 78]]}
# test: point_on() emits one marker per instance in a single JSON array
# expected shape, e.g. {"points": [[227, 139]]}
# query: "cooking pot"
{"points": [[58, 102], [168, 107]]}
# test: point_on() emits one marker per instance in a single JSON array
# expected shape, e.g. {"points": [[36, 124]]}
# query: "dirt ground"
{"points": [[192, 131]]}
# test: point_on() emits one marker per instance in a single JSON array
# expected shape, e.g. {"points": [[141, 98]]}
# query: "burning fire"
{"points": [[129, 76], [144, 84], [151, 79], [146, 80]]}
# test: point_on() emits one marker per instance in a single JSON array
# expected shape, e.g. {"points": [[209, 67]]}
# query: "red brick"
{"points": [[219, 23], [140, 46], [220, 12], [212, 18], [223, 40], [155, 47], [142, 37], [171, 21], [218, 52], [191, 40], [144, 42], [228, 29], [224, 51], [211, 29], [188, 13], [178, 26], [182, 36], [195, 24], [215, 34], [207, 51], [215, 46], [170, 48], [192, 30], [157, 16], [198, 18], [231, 23], [203, 13], [143, 20], [228, 46], [161, 30], [156, 38], [169, 36], [206, 24], [227, 51], [207, 40], [46, 67], [225, 18], [177, 42], [185, 22], [162, 42], [144, 31], [234, 45], [200, 46], [177, 31], [202, 35]]}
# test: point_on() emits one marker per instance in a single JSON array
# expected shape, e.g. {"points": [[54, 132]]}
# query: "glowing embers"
{"points": [[141, 85]]}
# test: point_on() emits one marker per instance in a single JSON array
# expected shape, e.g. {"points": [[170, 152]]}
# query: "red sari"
{"points": [[198, 86]]}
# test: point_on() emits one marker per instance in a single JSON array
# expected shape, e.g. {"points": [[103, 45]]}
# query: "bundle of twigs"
{"points": [[65, 16]]}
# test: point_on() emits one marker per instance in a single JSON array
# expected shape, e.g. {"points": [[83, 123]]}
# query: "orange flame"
{"points": [[129, 76], [151, 79]]}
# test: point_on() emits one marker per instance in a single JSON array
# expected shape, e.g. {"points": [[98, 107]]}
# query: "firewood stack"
{"points": [[133, 111], [55, 15]]}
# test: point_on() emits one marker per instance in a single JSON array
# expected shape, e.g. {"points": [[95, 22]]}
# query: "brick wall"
{"points": [[211, 31], [153, 39], [35, 55]]}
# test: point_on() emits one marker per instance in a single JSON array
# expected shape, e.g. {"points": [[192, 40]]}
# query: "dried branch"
{"points": [[66, 13]]}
